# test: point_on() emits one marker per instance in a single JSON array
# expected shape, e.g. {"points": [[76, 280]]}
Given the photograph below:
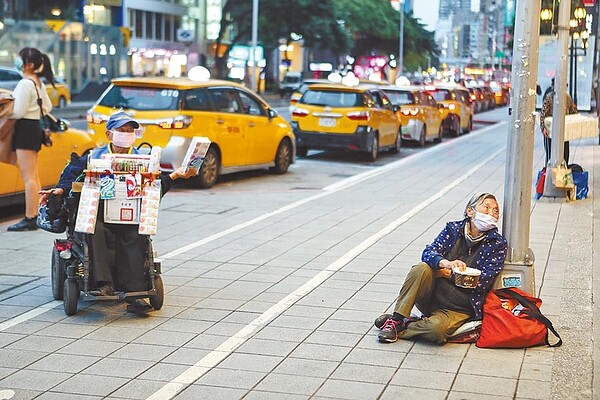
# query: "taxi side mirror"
{"points": [[271, 113], [63, 125], [396, 108]]}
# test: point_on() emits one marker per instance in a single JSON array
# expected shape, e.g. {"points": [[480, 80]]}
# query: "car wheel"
{"points": [[440, 135], [58, 275], [469, 125], [455, 126], [301, 151], [62, 102], [374, 151], [397, 143], [422, 137], [283, 157], [209, 171]]}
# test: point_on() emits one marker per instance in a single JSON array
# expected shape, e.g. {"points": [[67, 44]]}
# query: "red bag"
{"points": [[512, 319], [539, 185]]}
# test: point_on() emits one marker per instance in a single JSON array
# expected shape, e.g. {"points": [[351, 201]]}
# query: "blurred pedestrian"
{"points": [[430, 285], [28, 136], [546, 111]]}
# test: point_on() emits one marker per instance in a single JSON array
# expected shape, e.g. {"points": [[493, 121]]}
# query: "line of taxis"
{"points": [[247, 133]]}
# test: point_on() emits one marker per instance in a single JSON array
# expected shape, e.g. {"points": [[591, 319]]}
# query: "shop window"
{"points": [[159, 26], [139, 24], [150, 25], [169, 28]]}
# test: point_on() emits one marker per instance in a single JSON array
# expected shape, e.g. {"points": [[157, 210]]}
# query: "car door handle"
{"points": [[220, 121], [251, 124]]}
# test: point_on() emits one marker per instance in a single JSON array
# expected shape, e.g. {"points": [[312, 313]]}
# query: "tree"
{"points": [[315, 21], [375, 28]]}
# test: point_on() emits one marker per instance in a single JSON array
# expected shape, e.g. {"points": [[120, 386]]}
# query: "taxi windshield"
{"points": [[140, 98], [441, 94], [399, 98], [332, 98]]}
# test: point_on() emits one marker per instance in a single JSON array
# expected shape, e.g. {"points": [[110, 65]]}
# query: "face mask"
{"points": [[123, 139], [484, 222], [18, 63]]}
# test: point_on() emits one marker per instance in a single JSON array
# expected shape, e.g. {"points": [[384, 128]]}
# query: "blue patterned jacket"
{"points": [[490, 258]]}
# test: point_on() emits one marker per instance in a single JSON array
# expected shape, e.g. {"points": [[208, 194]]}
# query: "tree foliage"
{"points": [[356, 27]]}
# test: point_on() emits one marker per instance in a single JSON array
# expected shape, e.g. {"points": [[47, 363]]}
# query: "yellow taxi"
{"points": [[338, 117], [246, 133], [52, 160], [457, 112], [420, 115], [59, 94]]}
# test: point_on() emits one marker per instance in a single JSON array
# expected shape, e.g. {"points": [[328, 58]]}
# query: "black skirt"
{"points": [[28, 135]]}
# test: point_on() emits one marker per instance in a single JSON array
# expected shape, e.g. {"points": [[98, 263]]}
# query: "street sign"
{"points": [[185, 35]]}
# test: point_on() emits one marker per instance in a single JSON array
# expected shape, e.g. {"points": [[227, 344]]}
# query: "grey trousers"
{"points": [[417, 290]]}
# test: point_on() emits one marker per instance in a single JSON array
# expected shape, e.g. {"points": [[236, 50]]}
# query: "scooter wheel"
{"points": [[71, 295], [158, 299], [58, 275]]}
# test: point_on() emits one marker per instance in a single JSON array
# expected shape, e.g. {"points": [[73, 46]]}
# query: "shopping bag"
{"points": [[512, 319], [562, 177], [581, 184], [580, 179], [539, 183], [7, 130]]}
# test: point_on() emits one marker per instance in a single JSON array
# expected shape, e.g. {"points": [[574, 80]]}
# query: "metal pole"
{"points": [[575, 50], [519, 152], [560, 100], [401, 40], [254, 44], [571, 69]]}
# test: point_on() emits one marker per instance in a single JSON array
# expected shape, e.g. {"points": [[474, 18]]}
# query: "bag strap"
{"points": [[534, 312], [39, 101]]}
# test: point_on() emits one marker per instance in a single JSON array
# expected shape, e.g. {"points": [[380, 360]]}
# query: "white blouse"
{"points": [[25, 105]]}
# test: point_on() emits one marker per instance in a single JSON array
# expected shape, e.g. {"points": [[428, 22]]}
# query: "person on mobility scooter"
{"points": [[118, 253]]}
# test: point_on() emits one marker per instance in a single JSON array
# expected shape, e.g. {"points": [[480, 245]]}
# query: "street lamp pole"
{"points": [[401, 39], [254, 44], [559, 101], [519, 149]]}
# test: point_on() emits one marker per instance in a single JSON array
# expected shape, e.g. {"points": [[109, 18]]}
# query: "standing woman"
{"points": [[28, 136]]}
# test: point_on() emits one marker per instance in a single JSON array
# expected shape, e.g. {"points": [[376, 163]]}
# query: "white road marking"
{"points": [[345, 183], [328, 190], [212, 359], [29, 314]]}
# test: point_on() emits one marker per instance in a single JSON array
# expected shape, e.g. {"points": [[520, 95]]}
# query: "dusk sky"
{"points": [[428, 12]]}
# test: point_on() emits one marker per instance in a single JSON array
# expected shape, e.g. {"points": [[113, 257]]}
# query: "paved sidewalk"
{"points": [[275, 295]]}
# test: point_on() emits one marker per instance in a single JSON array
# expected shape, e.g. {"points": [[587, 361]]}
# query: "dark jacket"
{"points": [[489, 258]]}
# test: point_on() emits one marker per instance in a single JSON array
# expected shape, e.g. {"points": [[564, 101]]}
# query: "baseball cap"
{"points": [[119, 119]]}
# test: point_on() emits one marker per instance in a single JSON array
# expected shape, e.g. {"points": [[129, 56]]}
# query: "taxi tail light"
{"points": [[299, 112], [176, 123], [410, 112], [93, 118], [451, 106], [473, 97], [358, 115]]}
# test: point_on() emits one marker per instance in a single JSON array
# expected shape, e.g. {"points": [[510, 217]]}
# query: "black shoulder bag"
{"points": [[48, 123]]}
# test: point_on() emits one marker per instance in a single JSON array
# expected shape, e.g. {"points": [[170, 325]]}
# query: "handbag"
{"points": [[53, 216], [562, 177], [7, 130], [48, 122], [512, 319], [539, 183]]}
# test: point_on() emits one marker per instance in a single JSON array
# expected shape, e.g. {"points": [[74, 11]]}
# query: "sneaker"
{"points": [[139, 306], [105, 290], [390, 330], [381, 320], [26, 224]]}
